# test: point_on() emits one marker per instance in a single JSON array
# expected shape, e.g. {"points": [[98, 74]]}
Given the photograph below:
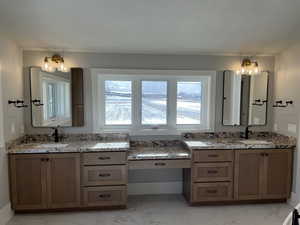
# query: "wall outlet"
{"points": [[292, 128]]}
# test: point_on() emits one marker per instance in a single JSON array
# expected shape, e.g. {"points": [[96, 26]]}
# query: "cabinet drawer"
{"points": [[213, 156], [203, 172], [159, 164], [104, 158], [105, 196], [203, 192], [104, 175]]}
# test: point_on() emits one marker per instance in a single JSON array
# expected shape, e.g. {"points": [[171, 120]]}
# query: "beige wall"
{"points": [[11, 88], [138, 61], [287, 83]]}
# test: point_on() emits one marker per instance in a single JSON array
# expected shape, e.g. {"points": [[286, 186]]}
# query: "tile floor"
{"points": [[164, 210]]}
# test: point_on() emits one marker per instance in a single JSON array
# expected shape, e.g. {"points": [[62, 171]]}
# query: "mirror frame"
{"points": [[72, 109], [267, 103]]}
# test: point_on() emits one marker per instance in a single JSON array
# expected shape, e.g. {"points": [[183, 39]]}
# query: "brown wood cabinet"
{"points": [[28, 183], [44, 181], [63, 180], [262, 174]]}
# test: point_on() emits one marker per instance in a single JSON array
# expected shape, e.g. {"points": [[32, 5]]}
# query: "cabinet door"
{"points": [[248, 178], [63, 180], [28, 183], [278, 172]]}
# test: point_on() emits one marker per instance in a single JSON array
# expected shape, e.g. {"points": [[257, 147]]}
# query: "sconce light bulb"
{"points": [[243, 70]]}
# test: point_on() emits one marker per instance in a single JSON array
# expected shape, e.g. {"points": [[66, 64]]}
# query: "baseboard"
{"points": [[154, 188], [293, 201], [5, 214]]}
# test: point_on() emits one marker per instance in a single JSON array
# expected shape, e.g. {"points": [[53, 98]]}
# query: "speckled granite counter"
{"points": [[83, 146], [140, 150], [262, 140]]}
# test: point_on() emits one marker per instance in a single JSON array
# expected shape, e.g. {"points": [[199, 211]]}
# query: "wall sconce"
{"points": [[248, 67], [53, 63]]}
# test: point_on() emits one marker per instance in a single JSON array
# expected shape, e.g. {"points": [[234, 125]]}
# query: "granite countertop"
{"points": [[169, 152], [237, 143], [65, 147]]}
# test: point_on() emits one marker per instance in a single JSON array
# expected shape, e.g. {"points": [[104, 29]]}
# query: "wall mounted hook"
{"points": [[290, 102], [259, 102], [37, 102], [283, 105], [17, 103], [279, 104]]}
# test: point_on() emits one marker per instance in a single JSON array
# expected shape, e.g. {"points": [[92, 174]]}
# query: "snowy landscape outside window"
{"points": [[152, 101], [117, 102], [189, 102]]}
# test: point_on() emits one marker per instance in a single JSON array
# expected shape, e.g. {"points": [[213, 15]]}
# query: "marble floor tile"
{"points": [[164, 210]]}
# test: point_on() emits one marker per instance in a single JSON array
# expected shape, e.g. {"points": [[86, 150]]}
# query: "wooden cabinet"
{"points": [[28, 183], [262, 174], [217, 191], [105, 178], [105, 196], [210, 178], [42, 181], [63, 180]]}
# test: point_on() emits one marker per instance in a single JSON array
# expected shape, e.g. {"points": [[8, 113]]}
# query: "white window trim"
{"points": [[99, 75]]}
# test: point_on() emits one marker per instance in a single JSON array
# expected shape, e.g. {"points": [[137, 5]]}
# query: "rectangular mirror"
{"points": [[231, 98], [244, 99], [56, 98], [258, 99]]}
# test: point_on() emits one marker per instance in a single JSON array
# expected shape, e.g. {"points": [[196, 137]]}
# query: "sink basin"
{"points": [[53, 145], [255, 142]]}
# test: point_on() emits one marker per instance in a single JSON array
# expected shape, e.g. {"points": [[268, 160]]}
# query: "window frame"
{"points": [[136, 76]]}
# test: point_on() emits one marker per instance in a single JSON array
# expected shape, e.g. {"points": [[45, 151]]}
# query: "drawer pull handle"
{"points": [[160, 164], [105, 196], [213, 155], [212, 171], [104, 174], [104, 158], [211, 191]]}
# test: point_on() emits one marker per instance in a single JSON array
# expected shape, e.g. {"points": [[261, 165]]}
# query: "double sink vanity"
{"points": [[91, 170]]}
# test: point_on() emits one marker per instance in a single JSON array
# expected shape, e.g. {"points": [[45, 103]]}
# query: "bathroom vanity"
{"points": [[94, 174]]}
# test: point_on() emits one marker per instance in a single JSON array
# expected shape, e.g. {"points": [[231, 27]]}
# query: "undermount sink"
{"points": [[53, 145], [255, 142]]}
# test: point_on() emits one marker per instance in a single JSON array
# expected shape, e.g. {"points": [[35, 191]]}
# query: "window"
{"points": [[152, 101], [189, 102], [117, 102]]}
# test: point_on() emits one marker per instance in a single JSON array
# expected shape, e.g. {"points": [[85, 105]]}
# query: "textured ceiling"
{"points": [[153, 26]]}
